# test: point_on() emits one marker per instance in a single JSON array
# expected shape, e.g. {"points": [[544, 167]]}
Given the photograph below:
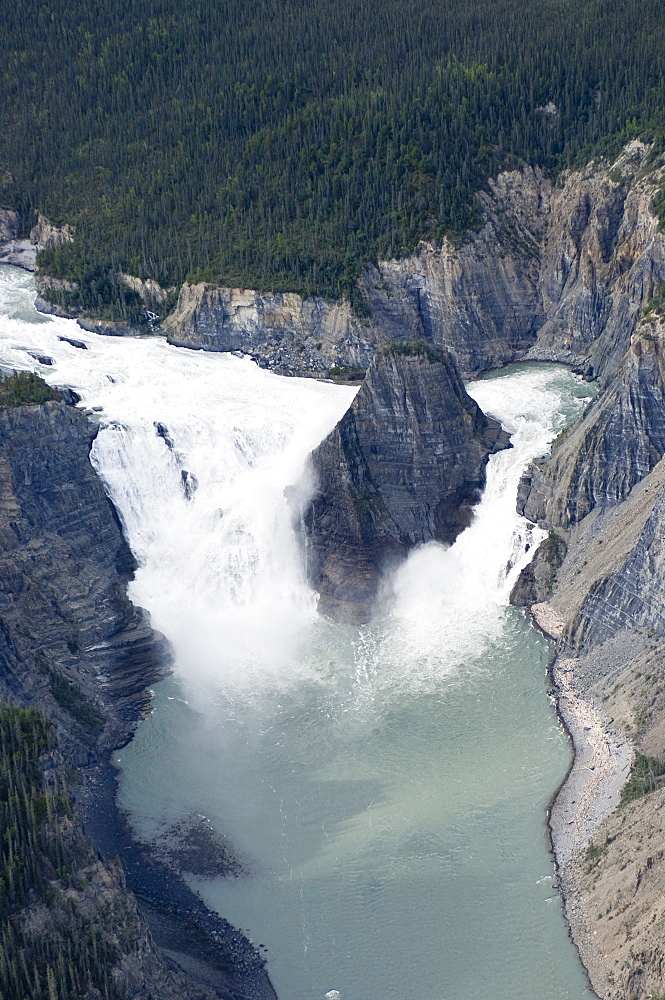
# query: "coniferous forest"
{"points": [[39, 845], [282, 144]]}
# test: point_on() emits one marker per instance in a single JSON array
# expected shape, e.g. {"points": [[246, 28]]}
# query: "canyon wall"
{"points": [[598, 586], [71, 643], [560, 273], [554, 273]]}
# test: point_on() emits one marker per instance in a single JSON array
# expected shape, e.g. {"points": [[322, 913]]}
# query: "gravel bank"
{"points": [[589, 793]]}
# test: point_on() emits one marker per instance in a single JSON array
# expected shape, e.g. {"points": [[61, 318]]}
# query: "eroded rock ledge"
{"points": [[404, 466]]}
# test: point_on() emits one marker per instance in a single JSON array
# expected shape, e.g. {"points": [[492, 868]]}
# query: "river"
{"points": [[384, 787]]}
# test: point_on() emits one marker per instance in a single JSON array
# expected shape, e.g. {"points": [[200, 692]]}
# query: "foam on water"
{"points": [[453, 598], [196, 450]]}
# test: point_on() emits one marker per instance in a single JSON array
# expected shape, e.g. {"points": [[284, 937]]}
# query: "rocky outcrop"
{"points": [[14, 250], [602, 259], [555, 273], [92, 899], [44, 284], [537, 579], [152, 296], [282, 331], [21, 252], [404, 466], [479, 301], [151, 292], [10, 224], [610, 578], [616, 443], [45, 236]]}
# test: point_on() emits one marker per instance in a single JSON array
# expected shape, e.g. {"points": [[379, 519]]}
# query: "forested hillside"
{"points": [[281, 144], [42, 856]]}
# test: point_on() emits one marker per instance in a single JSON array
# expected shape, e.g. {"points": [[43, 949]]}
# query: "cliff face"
{"points": [[602, 495], [404, 466], [22, 252], [46, 236], [480, 300], [602, 259], [14, 250], [284, 331], [70, 641], [553, 274], [72, 645], [616, 443], [605, 602], [9, 224]]}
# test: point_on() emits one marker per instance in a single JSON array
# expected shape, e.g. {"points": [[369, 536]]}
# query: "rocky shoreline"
{"points": [[573, 274], [203, 944], [590, 792]]}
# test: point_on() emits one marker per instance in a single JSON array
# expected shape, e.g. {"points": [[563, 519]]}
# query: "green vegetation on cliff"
{"points": [[411, 349], [282, 146], [656, 305], [49, 949], [646, 775], [24, 388]]}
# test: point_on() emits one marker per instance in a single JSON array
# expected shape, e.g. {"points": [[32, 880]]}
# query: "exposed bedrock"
{"points": [[22, 251], [70, 641], [602, 497], [616, 443], [404, 466], [601, 574], [606, 600], [555, 273], [612, 576]]}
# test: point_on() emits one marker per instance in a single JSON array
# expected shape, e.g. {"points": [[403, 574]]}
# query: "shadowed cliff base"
{"points": [[404, 466]]}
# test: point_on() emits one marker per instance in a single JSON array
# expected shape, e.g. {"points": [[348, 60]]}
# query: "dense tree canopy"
{"points": [[281, 144]]}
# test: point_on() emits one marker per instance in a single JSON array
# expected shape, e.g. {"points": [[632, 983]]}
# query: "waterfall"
{"points": [[384, 786], [450, 600]]}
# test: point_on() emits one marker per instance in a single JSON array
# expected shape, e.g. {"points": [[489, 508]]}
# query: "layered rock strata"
{"points": [[71, 643], [601, 596], [404, 466], [555, 273], [616, 443]]}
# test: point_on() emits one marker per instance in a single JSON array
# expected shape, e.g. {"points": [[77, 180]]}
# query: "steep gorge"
{"points": [[555, 273], [597, 584]]}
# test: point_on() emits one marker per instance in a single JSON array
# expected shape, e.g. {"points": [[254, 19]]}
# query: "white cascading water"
{"points": [[370, 778]]}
